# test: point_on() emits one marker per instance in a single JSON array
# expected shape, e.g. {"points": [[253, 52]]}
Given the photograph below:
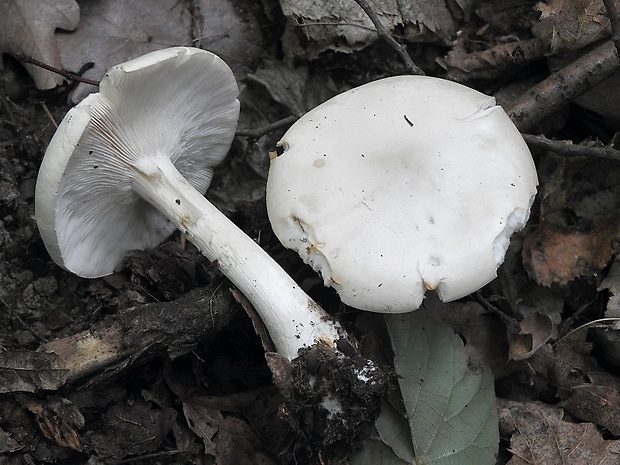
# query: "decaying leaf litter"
{"points": [[545, 326]]}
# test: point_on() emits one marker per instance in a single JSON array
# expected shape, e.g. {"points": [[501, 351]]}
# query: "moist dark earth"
{"points": [[188, 381]]}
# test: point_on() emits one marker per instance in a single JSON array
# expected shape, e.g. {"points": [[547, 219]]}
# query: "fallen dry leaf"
{"points": [[57, 418], [540, 435], [571, 25], [580, 228], [228, 438], [558, 256], [342, 25], [115, 31], [587, 391], [28, 29], [484, 333], [134, 428], [535, 330], [493, 62]]}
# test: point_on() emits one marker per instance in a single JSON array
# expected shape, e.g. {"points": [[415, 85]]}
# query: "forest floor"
{"points": [[186, 380]]}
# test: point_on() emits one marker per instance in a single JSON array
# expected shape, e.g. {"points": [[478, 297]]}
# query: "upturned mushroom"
{"points": [[131, 163], [399, 186]]}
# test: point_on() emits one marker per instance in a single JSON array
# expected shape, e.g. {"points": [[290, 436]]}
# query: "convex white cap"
{"points": [[178, 103], [401, 185]]}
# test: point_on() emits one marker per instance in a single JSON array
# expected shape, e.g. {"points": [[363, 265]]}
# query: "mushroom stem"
{"points": [[293, 319]]}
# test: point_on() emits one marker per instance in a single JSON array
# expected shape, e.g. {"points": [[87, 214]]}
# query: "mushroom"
{"points": [[399, 186], [131, 163]]}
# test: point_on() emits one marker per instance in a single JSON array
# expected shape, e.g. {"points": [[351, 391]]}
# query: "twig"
{"points": [[49, 115], [197, 23], [133, 336], [66, 74], [259, 132], [155, 455], [566, 148], [612, 12], [511, 323], [384, 34], [545, 98]]}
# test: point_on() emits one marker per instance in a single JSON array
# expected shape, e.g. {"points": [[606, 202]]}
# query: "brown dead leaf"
{"points": [[540, 435], [571, 25], [132, 428], [115, 31], [559, 256], [28, 371], [517, 295], [28, 28], [484, 334], [580, 228], [494, 62], [536, 330], [205, 422], [228, 438], [587, 391], [436, 17], [342, 25], [57, 418]]}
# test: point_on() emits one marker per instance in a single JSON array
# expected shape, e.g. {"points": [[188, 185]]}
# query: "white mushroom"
{"points": [[401, 185], [131, 163]]}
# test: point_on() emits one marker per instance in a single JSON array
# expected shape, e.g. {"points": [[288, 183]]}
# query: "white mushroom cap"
{"points": [[179, 103], [401, 185]]}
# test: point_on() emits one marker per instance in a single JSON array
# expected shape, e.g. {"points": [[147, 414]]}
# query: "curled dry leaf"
{"points": [[572, 25], [539, 434], [57, 418], [559, 256], [313, 27], [587, 391], [535, 330], [28, 28], [580, 228], [228, 438], [493, 62]]}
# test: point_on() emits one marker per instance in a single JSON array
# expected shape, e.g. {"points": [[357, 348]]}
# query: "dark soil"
{"points": [[185, 378]]}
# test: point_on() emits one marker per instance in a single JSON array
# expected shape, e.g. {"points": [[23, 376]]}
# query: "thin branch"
{"points": [[566, 148], [49, 115], [257, 133], [384, 34], [563, 86], [132, 337], [66, 74]]}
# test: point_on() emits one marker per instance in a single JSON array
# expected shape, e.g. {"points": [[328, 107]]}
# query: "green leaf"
{"points": [[451, 416], [376, 452]]}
